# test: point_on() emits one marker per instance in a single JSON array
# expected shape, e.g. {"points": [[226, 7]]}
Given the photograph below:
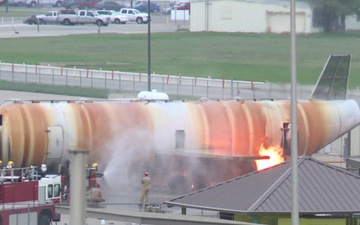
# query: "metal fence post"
{"points": [[12, 71], [177, 86], [119, 81], [192, 87], [253, 89], [66, 77], [53, 83], [207, 88], [133, 82], [91, 77], [162, 83], [26, 74], [238, 89], [105, 80], [232, 88]]}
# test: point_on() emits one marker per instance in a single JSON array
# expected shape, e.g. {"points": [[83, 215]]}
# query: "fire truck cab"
{"points": [[28, 198]]}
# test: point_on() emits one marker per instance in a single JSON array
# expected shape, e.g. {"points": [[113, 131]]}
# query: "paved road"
{"points": [[12, 95], [13, 29]]}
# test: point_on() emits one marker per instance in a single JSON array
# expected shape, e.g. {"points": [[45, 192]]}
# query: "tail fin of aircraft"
{"points": [[333, 81]]}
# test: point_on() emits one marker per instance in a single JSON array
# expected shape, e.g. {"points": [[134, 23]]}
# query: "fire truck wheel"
{"points": [[44, 220]]}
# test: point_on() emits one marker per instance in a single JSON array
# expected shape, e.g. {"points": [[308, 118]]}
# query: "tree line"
{"points": [[331, 14]]}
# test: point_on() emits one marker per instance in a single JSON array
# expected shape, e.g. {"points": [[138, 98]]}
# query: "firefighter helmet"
{"points": [[94, 165], [10, 163], [43, 168]]}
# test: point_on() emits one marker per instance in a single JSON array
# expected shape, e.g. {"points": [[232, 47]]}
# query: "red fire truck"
{"points": [[28, 197]]}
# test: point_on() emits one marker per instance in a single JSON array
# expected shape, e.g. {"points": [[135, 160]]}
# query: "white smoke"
{"points": [[128, 156], [124, 161]]}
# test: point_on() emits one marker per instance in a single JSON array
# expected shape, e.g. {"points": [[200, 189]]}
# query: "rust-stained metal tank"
{"points": [[209, 141], [144, 131]]}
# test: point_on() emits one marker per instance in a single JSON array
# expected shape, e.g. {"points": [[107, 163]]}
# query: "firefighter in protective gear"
{"points": [[95, 166], [43, 169], [92, 179], [93, 174], [96, 196], [145, 182], [9, 168], [65, 178], [10, 164]]}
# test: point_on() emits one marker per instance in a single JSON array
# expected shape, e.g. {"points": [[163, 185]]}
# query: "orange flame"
{"points": [[274, 152]]}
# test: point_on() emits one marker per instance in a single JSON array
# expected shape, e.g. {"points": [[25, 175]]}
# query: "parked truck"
{"points": [[27, 198], [84, 17], [53, 16], [49, 17], [135, 15]]}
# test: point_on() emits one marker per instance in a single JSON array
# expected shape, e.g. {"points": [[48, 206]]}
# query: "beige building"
{"points": [[353, 22], [255, 16], [334, 152]]}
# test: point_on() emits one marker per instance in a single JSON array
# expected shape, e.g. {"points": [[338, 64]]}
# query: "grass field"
{"points": [[23, 11], [264, 57], [59, 90]]}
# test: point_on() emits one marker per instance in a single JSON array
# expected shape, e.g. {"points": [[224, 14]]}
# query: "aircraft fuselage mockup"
{"points": [[181, 143]]}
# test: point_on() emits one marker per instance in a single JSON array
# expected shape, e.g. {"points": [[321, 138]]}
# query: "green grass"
{"points": [[264, 57], [14, 11], [59, 90], [75, 91]]}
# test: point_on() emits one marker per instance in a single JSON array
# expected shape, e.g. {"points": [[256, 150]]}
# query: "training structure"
{"points": [[183, 144]]}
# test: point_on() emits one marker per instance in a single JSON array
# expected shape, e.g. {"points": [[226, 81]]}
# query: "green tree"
{"points": [[331, 14]]}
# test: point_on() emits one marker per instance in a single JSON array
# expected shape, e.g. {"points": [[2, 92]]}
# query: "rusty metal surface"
{"points": [[230, 128]]}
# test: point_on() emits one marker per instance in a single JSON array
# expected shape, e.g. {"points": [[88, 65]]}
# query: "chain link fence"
{"points": [[176, 86], [185, 86]]}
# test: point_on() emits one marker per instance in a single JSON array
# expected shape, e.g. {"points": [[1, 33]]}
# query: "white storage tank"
{"points": [[152, 95]]}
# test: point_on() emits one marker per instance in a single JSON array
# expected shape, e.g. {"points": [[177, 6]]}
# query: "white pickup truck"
{"points": [[49, 17], [135, 15], [53, 16], [84, 17]]}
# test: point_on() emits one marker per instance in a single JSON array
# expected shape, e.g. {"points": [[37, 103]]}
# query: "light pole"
{"points": [[149, 48], [77, 180], [294, 127]]}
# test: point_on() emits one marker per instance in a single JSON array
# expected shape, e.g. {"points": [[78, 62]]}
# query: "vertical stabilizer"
{"points": [[333, 81]]}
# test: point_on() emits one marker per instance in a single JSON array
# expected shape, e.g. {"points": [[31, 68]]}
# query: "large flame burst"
{"points": [[274, 152]]}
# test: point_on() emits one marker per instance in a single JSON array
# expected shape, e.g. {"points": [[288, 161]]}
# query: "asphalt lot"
{"points": [[13, 28]]}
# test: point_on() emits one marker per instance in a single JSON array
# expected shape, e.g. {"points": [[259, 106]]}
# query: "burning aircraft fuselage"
{"points": [[139, 133]]}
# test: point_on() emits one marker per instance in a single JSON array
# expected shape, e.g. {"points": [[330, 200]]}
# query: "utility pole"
{"points": [[149, 48], [78, 160], [294, 127]]}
